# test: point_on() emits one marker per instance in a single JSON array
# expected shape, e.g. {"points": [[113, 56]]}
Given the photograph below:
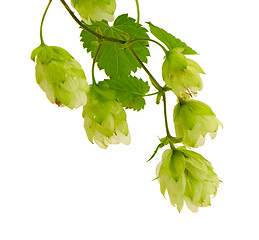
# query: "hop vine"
{"points": [[120, 47]]}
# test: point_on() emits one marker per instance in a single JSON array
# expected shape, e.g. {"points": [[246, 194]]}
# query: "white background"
{"points": [[54, 184]]}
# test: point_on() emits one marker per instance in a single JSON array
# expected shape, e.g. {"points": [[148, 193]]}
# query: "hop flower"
{"points": [[181, 74], [188, 177], [193, 120], [95, 9], [60, 76], [105, 118]]}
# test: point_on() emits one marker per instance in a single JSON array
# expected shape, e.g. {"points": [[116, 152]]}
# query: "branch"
{"points": [[152, 79], [82, 25]]}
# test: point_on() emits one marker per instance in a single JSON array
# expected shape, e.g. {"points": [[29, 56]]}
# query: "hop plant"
{"points": [[187, 177], [120, 49], [60, 76], [181, 74], [193, 120], [96, 10], [104, 118]]}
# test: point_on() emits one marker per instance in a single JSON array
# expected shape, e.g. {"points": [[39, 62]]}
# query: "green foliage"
{"points": [[130, 91], [115, 58], [164, 142], [169, 40]]}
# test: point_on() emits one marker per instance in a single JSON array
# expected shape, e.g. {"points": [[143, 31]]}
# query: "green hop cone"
{"points": [[181, 74], [60, 76], [104, 117], [188, 177], [96, 10], [193, 120]]}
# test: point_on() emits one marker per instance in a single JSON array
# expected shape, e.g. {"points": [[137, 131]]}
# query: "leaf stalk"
{"points": [[151, 40], [94, 61], [138, 11]]}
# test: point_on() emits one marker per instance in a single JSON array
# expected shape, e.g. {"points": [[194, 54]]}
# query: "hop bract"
{"points": [[104, 118], [60, 76], [193, 120], [95, 9], [188, 177], [181, 74]]}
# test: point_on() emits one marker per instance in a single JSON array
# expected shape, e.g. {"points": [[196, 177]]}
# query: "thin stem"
{"points": [[155, 93], [152, 79], [151, 94], [94, 61], [151, 40], [87, 28], [138, 12], [78, 21], [157, 86], [165, 115], [42, 20]]}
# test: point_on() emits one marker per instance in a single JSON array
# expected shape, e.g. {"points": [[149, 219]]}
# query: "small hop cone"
{"points": [[96, 10], [104, 118], [193, 121], [60, 76], [181, 74], [187, 177]]}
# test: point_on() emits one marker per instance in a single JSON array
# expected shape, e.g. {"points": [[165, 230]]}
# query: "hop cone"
{"points": [[188, 177], [193, 121], [104, 118], [96, 10], [181, 74], [60, 76]]}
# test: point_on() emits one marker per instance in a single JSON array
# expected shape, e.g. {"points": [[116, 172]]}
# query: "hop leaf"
{"points": [[130, 91], [169, 40], [60, 76], [115, 58]]}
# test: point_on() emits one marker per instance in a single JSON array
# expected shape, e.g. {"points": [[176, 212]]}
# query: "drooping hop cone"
{"points": [[96, 10], [187, 177], [104, 118], [60, 76], [181, 73], [193, 121]]}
